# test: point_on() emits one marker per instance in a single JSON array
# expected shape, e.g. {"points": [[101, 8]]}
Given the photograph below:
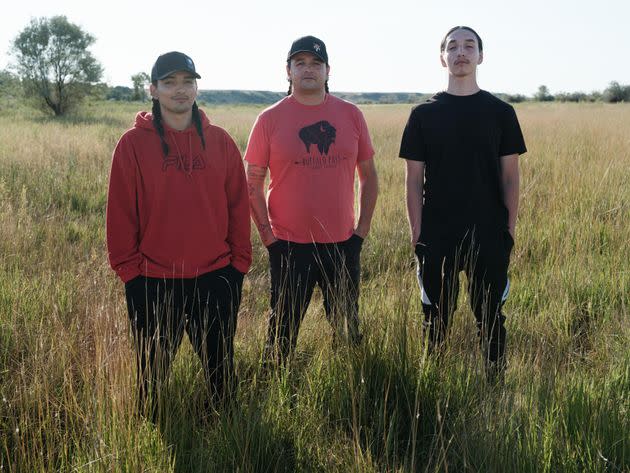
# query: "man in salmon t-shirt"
{"points": [[312, 143]]}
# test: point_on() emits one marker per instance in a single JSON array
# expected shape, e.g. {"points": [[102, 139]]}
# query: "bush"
{"points": [[543, 94], [571, 97], [616, 93], [515, 98]]}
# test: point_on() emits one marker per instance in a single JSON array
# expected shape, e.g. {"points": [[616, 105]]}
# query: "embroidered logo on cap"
{"points": [[316, 47]]}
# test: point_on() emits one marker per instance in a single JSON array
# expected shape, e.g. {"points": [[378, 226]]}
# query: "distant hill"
{"points": [[212, 97]]}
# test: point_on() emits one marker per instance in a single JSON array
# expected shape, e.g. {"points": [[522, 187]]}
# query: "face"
{"points": [[307, 73], [461, 54], [176, 92]]}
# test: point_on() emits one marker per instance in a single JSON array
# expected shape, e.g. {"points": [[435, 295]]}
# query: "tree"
{"points": [[54, 63], [119, 92], [616, 92], [140, 81], [9, 84], [543, 94], [10, 89], [515, 98]]}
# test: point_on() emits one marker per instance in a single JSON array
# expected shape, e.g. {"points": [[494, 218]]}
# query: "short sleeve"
{"points": [[365, 150], [412, 143], [257, 152], [512, 141]]}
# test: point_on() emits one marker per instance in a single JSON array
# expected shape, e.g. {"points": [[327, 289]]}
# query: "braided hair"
{"points": [[159, 127], [157, 123], [196, 117]]}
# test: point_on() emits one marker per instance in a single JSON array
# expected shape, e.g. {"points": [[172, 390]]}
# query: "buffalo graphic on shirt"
{"points": [[322, 134]]}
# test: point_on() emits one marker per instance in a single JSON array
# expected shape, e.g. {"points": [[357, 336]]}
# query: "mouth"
{"points": [[460, 62], [180, 99]]}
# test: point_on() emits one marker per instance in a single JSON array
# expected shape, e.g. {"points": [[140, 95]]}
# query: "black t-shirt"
{"points": [[461, 140]]}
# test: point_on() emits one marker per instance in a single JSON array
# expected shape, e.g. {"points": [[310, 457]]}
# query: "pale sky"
{"points": [[373, 46]]}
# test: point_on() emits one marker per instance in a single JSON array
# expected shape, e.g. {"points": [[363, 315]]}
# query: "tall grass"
{"points": [[67, 382]]}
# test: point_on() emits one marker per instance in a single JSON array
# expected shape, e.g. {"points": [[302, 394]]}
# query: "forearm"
{"points": [[414, 183], [239, 231], [510, 198], [122, 227], [510, 183], [368, 194], [257, 203]]}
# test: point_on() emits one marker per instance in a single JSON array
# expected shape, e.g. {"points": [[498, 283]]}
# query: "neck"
{"points": [[309, 98], [177, 121], [462, 85]]}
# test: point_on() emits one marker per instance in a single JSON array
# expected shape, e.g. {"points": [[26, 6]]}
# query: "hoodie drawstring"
{"points": [[180, 159]]}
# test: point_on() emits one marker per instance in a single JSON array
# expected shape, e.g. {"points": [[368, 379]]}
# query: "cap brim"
{"points": [[308, 51], [166, 74]]}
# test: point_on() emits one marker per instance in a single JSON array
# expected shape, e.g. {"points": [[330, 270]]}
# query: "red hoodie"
{"points": [[181, 215]]}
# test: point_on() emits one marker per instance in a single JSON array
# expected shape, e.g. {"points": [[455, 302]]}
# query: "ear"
{"points": [[327, 72], [480, 57], [289, 71], [153, 91], [444, 64]]}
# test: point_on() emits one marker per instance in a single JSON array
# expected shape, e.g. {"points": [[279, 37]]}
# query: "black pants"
{"points": [[161, 309], [295, 270], [485, 258]]}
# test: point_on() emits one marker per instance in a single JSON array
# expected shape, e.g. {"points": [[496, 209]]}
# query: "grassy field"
{"points": [[66, 362]]}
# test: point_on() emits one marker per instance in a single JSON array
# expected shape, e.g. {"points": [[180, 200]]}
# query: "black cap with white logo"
{"points": [[172, 62], [309, 44]]}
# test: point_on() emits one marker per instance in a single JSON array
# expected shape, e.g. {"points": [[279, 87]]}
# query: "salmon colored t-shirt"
{"points": [[312, 152]]}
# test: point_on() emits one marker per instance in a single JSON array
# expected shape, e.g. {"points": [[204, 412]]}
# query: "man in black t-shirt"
{"points": [[461, 149]]}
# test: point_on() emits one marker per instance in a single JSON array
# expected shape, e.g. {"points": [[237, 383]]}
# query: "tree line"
{"points": [[615, 92], [54, 70]]}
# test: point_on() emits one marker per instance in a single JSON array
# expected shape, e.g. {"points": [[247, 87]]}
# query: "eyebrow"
{"points": [[469, 40]]}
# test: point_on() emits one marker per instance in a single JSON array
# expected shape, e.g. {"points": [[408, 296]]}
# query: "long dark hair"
{"points": [[159, 127], [455, 28]]}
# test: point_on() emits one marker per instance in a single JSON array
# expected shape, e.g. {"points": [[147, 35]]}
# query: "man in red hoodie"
{"points": [[178, 232]]}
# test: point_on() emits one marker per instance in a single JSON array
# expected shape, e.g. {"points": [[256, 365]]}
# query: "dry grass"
{"points": [[66, 371]]}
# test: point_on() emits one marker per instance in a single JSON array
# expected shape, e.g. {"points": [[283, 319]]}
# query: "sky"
{"points": [[373, 46]]}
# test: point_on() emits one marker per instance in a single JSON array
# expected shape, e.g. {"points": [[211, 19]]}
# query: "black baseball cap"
{"points": [[309, 44], [168, 63]]}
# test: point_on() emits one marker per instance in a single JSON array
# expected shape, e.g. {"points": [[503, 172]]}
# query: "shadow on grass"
{"points": [[401, 408], [236, 438]]}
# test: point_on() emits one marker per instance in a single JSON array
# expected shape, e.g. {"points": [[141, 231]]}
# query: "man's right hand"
{"points": [[269, 241]]}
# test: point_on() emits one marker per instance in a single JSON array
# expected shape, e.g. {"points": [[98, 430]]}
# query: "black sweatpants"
{"points": [[485, 259], [295, 270], [160, 310]]}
